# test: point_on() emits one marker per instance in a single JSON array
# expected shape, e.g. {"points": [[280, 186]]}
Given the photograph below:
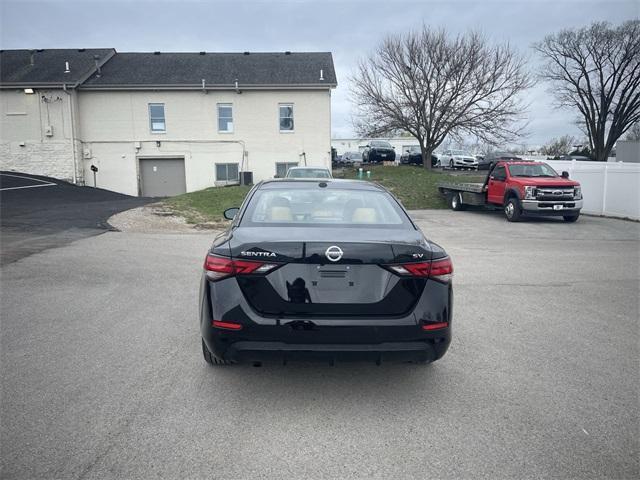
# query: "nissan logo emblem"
{"points": [[333, 253]]}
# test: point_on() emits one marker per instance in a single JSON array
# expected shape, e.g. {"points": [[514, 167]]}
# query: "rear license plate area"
{"points": [[332, 278]]}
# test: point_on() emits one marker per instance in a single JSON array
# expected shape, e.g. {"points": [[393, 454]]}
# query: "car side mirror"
{"points": [[565, 174], [230, 213]]}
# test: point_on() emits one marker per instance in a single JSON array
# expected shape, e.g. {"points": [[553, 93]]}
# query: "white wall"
{"points": [[113, 124], [24, 145], [611, 189]]}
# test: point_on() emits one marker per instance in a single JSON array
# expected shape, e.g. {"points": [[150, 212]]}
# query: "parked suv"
{"points": [[378, 151]]}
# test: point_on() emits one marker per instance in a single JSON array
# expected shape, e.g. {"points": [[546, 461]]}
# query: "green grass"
{"points": [[206, 206], [413, 185]]}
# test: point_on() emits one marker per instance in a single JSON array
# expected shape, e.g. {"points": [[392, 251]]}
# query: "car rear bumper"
{"points": [[382, 156], [288, 342], [253, 351], [377, 338]]}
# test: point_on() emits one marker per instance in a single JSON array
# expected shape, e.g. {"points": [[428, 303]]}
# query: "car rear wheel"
{"points": [[512, 209], [211, 358], [571, 218], [456, 202]]}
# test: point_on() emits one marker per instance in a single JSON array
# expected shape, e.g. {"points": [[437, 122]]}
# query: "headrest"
{"points": [[364, 215], [280, 214]]}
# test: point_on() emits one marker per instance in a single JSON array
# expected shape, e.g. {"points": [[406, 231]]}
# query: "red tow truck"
{"points": [[520, 188]]}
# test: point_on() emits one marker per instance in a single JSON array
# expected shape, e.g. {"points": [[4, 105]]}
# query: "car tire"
{"points": [[455, 202], [211, 358], [451, 166], [512, 209], [571, 218]]}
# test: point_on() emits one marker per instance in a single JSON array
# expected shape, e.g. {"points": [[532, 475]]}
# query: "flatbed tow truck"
{"points": [[520, 188]]}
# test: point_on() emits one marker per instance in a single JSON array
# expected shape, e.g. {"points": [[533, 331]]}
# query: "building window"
{"points": [[225, 117], [156, 117], [286, 117], [283, 168], [226, 172]]}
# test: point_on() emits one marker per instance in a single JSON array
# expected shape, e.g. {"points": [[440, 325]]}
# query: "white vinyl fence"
{"points": [[611, 189]]}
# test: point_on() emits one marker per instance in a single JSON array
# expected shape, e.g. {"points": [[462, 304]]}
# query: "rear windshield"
{"points": [[317, 206], [533, 170], [308, 173], [380, 144]]}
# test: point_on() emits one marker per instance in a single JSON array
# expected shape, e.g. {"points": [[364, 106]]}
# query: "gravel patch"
{"points": [[154, 218]]}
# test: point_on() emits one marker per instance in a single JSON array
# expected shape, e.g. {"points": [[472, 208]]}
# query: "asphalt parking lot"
{"points": [[103, 377], [38, 213]]}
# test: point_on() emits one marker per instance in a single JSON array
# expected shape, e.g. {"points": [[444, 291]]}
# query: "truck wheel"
{"points": [[456, 202], [512, 209], [571, 218], [212, 359]]}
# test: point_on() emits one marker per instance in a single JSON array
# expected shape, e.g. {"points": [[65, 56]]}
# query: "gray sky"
{"points": [[348, 29]]}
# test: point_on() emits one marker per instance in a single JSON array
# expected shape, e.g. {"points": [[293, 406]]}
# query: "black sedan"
{"points": [[378, 151], [413, 156], [327, 270]]}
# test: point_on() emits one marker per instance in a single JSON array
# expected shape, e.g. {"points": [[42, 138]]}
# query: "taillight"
{"points": [[434, 326], [226, 325], [218, 268], [440, 270]]}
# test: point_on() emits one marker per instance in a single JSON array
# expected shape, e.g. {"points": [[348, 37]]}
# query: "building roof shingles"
{"points": [[49, 65], [217, 69], [174, 70]]}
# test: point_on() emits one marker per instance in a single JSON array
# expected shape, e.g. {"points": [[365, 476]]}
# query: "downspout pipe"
{"points": [[73, 134]]}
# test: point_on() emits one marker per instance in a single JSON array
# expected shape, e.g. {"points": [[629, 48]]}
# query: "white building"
{"points": [[160, 124]]}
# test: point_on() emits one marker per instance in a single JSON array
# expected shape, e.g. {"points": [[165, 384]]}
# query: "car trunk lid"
{"points": [[330, 277]]}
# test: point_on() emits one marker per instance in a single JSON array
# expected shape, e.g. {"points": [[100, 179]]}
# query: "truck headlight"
{"points": [[529, 193], [577, 193]]}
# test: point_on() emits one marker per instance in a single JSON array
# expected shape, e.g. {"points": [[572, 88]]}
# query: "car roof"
{"points": [[522, 162], [308, 168], [501, 153], [337, 183]]}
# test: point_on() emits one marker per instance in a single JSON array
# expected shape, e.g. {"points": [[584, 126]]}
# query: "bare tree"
{"points": [[596, 71], [559, 146], [433, 85]]}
